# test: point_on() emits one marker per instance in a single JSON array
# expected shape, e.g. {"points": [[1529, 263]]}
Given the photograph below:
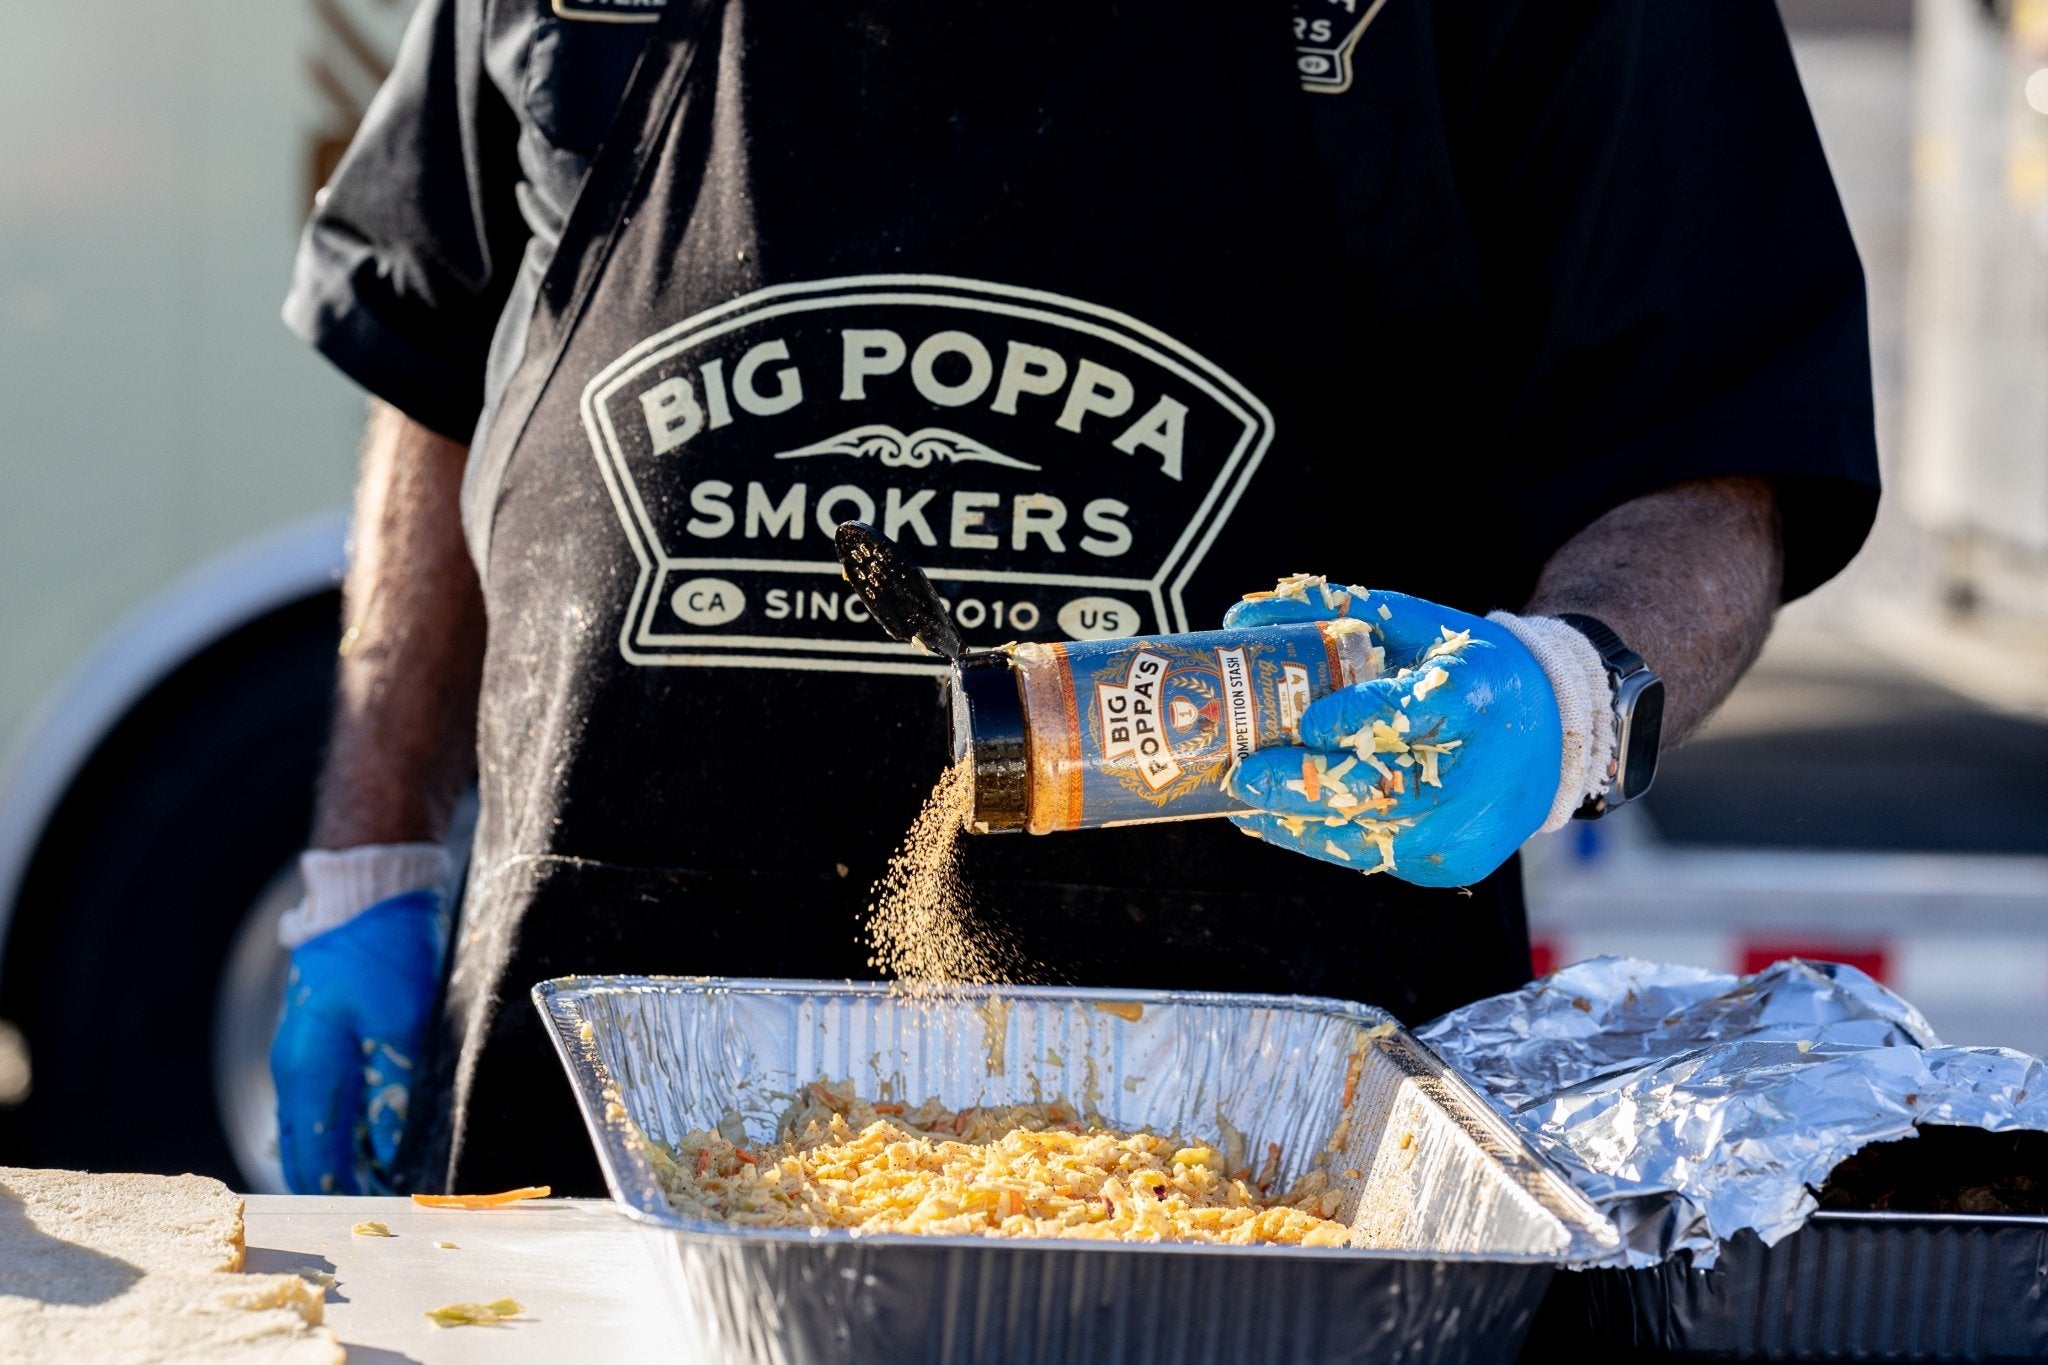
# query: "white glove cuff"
{"points": [[1585, 707], [341, 884]]}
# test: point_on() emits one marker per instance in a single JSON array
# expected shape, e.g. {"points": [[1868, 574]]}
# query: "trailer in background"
{"points": [[175, 472]]}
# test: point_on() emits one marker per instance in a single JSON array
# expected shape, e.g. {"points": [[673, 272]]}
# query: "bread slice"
{"points": [[145, 1222], [120, 1268], [167, 1316]]}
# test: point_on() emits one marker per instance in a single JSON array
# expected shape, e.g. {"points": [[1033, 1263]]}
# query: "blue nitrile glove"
{"points": [[1437, 770], [355, 1012]]}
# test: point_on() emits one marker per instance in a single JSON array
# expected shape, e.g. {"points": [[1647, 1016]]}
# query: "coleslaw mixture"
{"points": [[1027, 1170]]}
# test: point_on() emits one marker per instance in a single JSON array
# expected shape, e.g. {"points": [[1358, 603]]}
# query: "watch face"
{"points": [[1642, 733]]}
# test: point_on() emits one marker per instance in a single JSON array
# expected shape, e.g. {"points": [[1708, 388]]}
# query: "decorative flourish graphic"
{"points": [[1324, 42], [915, 451]]}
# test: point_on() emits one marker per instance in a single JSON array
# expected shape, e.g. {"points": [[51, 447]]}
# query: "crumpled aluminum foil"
{"points": [[1692, 1104]]}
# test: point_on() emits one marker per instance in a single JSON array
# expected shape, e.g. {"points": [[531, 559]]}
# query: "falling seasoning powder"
{"points": [[921, 928], [1096, 732]]}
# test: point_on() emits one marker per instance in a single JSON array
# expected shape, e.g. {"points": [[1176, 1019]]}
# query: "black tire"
{"points": [[135, 894]]}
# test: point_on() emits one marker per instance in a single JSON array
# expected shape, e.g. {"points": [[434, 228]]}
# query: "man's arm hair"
{"points": [[403, 746], [1688, 576]]}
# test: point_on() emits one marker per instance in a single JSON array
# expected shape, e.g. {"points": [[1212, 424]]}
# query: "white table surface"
{"points": [[581, 1270]]}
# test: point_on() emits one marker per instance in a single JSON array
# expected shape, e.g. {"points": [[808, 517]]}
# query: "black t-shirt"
{"points": [[1602, 246]]}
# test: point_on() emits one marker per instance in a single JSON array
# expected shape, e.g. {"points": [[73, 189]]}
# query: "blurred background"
{"points": [[172, 517], [1876, 791]]}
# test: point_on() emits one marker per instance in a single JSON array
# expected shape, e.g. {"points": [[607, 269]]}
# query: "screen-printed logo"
{"points": [[1058, 468], [1326, 33]]}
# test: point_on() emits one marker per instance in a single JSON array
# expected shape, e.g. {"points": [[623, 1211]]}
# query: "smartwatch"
{"points": [[1638, 717]]}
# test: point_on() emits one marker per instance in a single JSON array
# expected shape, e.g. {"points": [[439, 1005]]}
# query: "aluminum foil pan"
{"points": [[1693, 1106], [1847, 1286], [1457, 1225]]}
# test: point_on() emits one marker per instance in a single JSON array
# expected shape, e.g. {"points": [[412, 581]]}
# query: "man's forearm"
{"points": [[404, 738], [1689, 576]]}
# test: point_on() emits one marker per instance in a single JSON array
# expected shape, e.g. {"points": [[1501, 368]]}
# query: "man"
{"points": [[1109, 316]]}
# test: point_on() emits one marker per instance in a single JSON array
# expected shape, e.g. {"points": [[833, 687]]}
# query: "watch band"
{"points": [[1621, 661], [1622, 664]]}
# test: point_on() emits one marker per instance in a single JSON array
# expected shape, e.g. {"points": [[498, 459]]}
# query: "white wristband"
{"points": [[1585, 707], [342, 883]]}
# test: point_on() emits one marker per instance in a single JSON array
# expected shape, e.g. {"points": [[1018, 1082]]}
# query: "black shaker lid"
{"points": [[988, 734]]}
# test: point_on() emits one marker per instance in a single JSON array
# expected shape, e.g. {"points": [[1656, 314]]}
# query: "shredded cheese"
{"points": [[475, 1314], [1431, 681]]}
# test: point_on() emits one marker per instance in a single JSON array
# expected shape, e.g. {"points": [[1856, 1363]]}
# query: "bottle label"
{"points": [[1131, 725], [1160, 721]]}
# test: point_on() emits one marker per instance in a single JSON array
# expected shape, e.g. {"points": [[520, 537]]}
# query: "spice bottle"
{"points": [[1131, 731]]}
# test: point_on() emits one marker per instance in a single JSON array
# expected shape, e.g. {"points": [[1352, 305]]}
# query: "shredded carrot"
{"points": [[485, 1201], [1311, 779], [1351, 1075], [744, 1155], [886, 1108]]}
